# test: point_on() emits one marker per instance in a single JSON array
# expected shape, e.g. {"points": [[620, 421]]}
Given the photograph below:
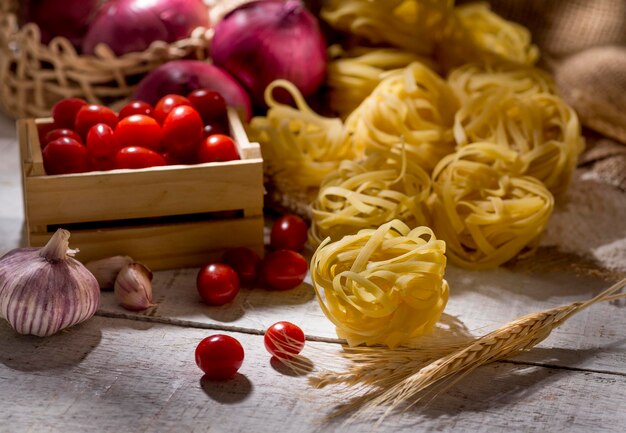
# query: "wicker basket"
{"points": [[33, 76]]}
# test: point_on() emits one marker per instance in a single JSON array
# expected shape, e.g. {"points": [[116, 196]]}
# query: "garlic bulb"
{"points": [[133, 287], [106, 270], [44, 290]]}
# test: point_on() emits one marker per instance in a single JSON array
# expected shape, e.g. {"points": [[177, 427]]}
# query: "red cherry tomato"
{"points": [[136, 107], [218, 148], [139, 130], [101, 142], [209, 103], [170, 160], [214, 128], [64, 112], [61, 132], [182, 133], [217, 283], [91, 115], [43, 129], [65, 155], [288, 232], [283, 340], [219, 356], [166, 104], [244, 261], [283, 269], [102, 164], [138, 157]]}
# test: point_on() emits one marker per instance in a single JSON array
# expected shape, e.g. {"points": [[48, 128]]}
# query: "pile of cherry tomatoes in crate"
{"points": [[177, 130], [282, 268]]}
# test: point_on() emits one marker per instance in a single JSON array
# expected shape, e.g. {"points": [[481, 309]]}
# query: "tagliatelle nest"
{"points": [[368, 194], [485, 212], [382, 286], [413, 104]]}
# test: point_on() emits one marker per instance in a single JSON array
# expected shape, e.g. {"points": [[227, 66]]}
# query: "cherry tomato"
{"points": [[138, 157], [283, 340], [91, 115], [214, 128], [61, 132], [219, 356], [136, 107], [182, 133], [170, 160], [101, 142], [218, 148], [42, 131], [217, 283], [209, 103], [283, 269], [244, 261], [64, 112], [139, 130], [166, 104], [102, 164], [288, 232], [65, 155]]}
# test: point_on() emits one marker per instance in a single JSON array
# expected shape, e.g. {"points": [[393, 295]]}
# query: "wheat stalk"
{"points": [[401, 376]]}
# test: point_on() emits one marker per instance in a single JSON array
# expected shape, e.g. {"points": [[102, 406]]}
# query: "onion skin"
{"points": [[184, 76], [132, 25], [266, 40]]}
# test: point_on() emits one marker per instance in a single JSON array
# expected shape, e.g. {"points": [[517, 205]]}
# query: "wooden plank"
{"points": [[481, 300], [166, 246], [115, 375]]}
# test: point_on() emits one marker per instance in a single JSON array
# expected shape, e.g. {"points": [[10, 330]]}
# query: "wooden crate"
{"points": [[165, 217]]}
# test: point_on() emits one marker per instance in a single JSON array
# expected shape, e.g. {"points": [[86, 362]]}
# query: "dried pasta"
{"points": [[300, 147], [354, 74], [476, 34], [412, 25], [411, 109], [542, 128], [382, 286], [368, 194], [484, 209]]}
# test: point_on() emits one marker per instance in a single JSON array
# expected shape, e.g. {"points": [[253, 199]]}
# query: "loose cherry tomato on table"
{"points": [[182, 133], [284, 340], [65, 155], [210, 104], [138, 157], [244, 261], [139, 129], [64, 112], [217, 283], [213, 128], [136, 107], [61, 132], [289, 232], [101, 142], [166, 104], [219, 356], [91, 115], [283, 269], [218, 148]]}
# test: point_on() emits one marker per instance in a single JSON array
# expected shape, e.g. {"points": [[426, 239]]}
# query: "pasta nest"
{"points": [[300, 147], [413, 104], [473, 33], [484, 208], [382, 286], [541, 127], [367, 194]]}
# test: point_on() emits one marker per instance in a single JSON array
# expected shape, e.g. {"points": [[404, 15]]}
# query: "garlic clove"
{"points": [[106, 270], [133, 287], [45, 290]]}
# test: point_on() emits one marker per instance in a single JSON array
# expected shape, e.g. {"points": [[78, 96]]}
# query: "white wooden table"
{"points": [[129, 372]]}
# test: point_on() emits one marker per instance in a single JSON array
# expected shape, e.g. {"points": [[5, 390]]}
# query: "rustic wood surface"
{"points": [[124, 371]]}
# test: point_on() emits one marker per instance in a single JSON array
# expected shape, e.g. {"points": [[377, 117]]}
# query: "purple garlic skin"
{"points": [[40, 296]]}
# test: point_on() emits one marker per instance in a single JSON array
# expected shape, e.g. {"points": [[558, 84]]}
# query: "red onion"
{"points": [[184, 76], [132, 25], [266, 40], [67, 18]]}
